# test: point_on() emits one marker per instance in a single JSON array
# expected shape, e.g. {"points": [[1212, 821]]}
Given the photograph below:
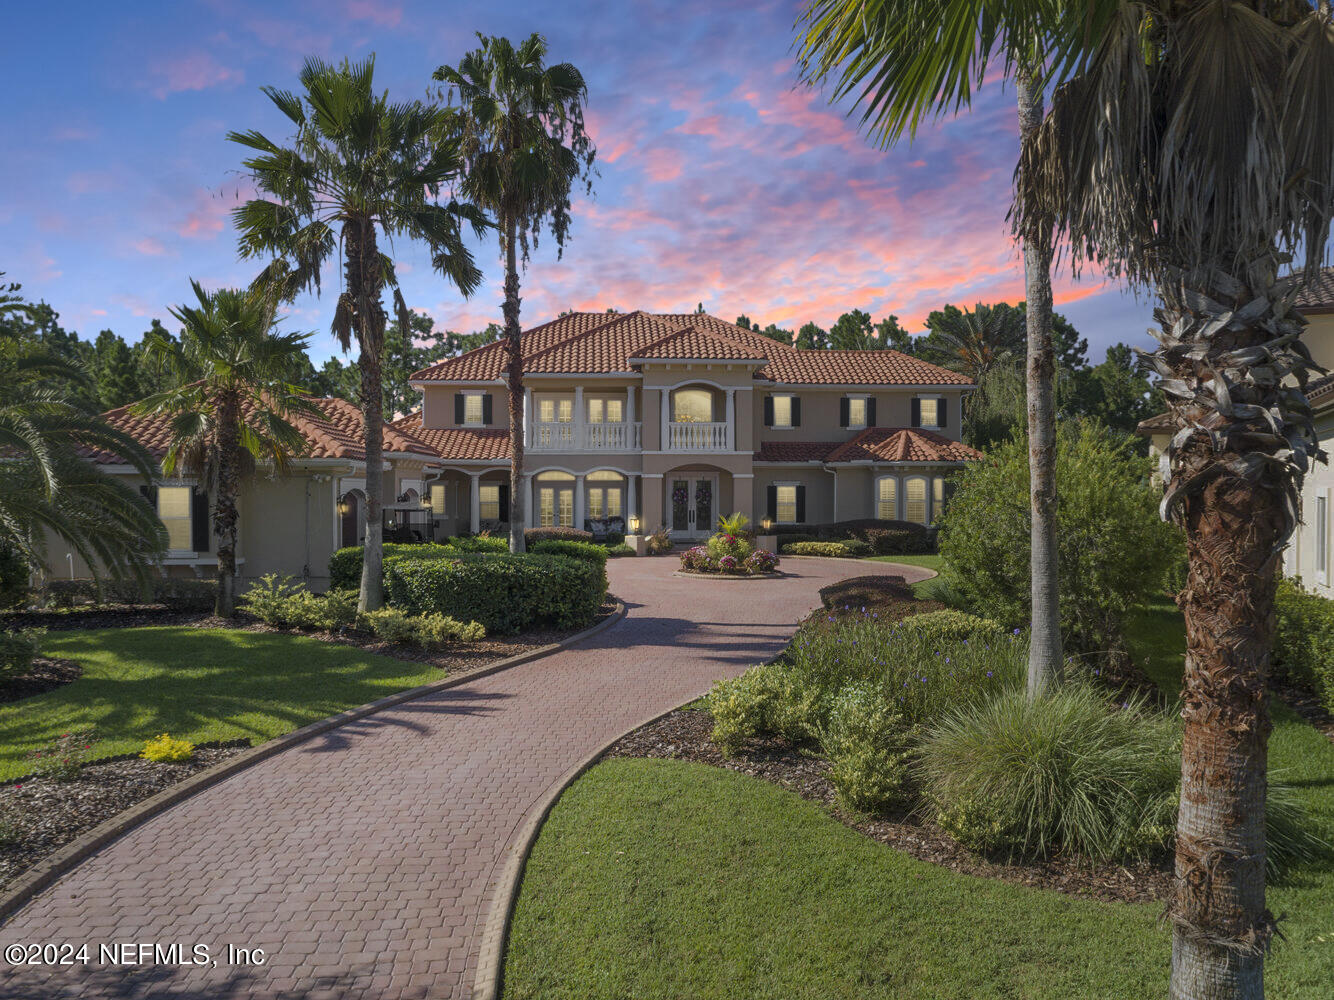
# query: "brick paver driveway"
{"points": [[362, 861]]}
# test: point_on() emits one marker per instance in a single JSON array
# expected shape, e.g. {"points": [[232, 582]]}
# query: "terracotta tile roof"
{"points": [[795, 451], [1320, 391], [337, 433], [587, 343], [458, 443], [1319, 293], [902, 444]]}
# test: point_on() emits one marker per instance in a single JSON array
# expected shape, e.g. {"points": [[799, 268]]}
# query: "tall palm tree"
{"points": [[231, 406], [905, 60], [523, 138], [358, 170], [48, 485], [1190, 154], [974, 343]]}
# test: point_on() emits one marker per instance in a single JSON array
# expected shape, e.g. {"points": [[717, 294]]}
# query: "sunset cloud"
{"points": [[193, 71]]}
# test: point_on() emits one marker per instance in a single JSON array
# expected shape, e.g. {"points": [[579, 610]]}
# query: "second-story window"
{"points": [[611, 411], [928, 411], [555, 411], [857, 412], [474, 409], [692, 406], [782, 410]]}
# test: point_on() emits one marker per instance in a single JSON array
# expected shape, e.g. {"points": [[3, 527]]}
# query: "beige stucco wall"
{"points": [[1300, 559], [1319, 338], [820, 413]]}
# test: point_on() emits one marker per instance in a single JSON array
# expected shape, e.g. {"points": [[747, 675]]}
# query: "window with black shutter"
{"points": [[771, 502], [200, 528], [796, 411], [458, 408], [801, 504], [768, 411], [844, 406], [870, 411], [504, 499], [941, 410], [916, 412], [487, 412]]}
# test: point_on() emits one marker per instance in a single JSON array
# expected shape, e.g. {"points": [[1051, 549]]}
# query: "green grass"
{"points": [[930, 561], [664, 879], [198, 684]]}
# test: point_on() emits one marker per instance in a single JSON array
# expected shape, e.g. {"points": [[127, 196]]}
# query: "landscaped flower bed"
{"points": [[731, 552]]}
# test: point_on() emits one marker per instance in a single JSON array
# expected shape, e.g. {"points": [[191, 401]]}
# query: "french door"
{"points": [[692, 505]]}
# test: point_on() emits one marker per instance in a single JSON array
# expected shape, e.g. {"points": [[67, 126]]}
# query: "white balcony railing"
{"points": [[697, 437], [552, 437], [611, 437], [566, 436]]}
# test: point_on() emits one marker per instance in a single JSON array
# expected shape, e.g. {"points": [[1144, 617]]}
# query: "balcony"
{"points": [[566, 436], [698, 437]]}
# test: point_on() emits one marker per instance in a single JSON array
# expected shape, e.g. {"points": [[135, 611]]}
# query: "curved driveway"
{"points": [[363, 861]]}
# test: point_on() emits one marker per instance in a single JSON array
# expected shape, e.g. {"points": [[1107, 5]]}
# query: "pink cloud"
{"points": [[192, 71], [150, 247], [210, 211], [383, 15], [97, 312]]}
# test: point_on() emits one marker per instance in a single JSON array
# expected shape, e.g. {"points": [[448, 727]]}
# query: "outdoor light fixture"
{"points": [[426, 500], [343, 506], [634, 524], [767, 524]]}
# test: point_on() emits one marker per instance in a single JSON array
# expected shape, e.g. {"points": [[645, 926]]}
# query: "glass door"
{"points": [[703, 504], [691, 505]]}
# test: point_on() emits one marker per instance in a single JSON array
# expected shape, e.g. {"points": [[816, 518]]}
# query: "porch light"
{"points": [[767, 524], [633, 522], [343, 506], [426, 501]]}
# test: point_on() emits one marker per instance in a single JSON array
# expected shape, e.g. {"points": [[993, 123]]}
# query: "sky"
{"points": [[721, 179]]}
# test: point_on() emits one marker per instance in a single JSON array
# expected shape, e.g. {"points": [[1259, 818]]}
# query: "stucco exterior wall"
{"points": [[820, 414], [1301, 558]]}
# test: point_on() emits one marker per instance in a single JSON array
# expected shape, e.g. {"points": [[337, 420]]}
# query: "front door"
{"points": [[691, 501]]}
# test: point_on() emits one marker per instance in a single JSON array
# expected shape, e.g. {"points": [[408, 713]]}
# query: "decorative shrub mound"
{"points": [[477, 543], [17, 651], [179, 594], [885, 538], [505, 593], [534, 535], [617, 551], [578, 550], [1304, 640], [868, 747], [345, 564], [728, 555], [1112, 549], [849, 548], [165, 749]]}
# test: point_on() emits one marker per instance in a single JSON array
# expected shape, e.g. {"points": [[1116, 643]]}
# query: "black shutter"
{"points": [[916, 412], [940, 411], [796, 411], [504, 501], [801, 505], [843, 416], [771, 503], [768, 411], [870, 411], [458, 408], [199, 524], [149, 492], [486, 409]]}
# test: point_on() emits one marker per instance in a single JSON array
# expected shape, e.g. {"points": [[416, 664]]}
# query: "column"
{"points": [[526, 487], [731, 420], [666, 395], [579, 501], [527, 416], [579, 443], [475, 502], [653, 514], [631, 504], [630, 442]]}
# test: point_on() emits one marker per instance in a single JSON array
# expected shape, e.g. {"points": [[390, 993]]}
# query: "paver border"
{"points": [[81, 848], [737, 578]]}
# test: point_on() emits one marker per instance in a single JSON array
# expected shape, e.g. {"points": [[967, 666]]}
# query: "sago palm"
{"points": [[523, 139], [49, 488], [231, 408], [359, 170], [903, 61], [1190, 155]]}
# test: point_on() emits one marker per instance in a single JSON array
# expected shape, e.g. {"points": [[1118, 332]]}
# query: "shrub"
{"points": [[534, 535], [17, 651], [723, 545], [505, 593], [833, 550], [760, 561], [61, 758], [868, 748], [1062, 773], [616, 551], [177, 593], [768, 699], [696, 559], [1112, 548], [614, 539], [658, 543], [391, 625], [15, 579], [340, 609], [345, 564], [1303, 640], [856, 548], [734, 524], [437, 630], [578, 550], [897, 541], [165, 749], [476, 543], [940, 628]]}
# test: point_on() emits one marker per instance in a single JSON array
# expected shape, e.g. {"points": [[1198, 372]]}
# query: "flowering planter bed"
{"points": [[727, 556], [738, 577]]}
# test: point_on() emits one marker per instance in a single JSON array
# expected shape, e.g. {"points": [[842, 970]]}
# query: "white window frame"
{"points": [[188, 519], [926, 499], [439, 494], [1322, 540], [468, 396], [898, 497], [776, 396], [866, 406], [778, 503], [604, 406], [483, 503]]}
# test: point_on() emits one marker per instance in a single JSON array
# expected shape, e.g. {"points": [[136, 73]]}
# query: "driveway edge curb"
{"points": [[83, 847]]}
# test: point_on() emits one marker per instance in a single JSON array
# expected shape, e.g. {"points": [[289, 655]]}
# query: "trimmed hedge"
{"points": [[886, 538], [832, 550], [534, 535], [345, 564], [1304, 640], [577, 550], [180, 594], [505, 593]]}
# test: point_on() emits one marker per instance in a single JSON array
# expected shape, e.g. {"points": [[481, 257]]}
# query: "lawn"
{"points": [[200, 684], [658, 879], [929, 561]]}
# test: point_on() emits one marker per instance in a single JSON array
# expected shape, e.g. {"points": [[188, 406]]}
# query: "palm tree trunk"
{"points": [[224, 505], [1045, 656], [1235, 527], [514, 376], [364, 280]]}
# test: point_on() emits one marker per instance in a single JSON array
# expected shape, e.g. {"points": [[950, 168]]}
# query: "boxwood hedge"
{"points": [[345, 564], [506, 593], [576, 550]]}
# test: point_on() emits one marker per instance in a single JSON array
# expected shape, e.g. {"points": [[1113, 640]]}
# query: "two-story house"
{"points": [[678, 418]]}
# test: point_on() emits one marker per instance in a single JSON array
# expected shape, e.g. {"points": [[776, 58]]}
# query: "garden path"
{"points": [[364, 862]]}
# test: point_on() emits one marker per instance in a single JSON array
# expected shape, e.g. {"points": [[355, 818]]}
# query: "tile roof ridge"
{"points": [[566, 341]]}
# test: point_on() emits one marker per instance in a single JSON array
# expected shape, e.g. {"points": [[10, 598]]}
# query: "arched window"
{"points": [[914, 500], [692, 406], [887, 498]]}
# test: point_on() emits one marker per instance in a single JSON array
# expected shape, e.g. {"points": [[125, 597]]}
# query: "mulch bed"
{"points": [[684, 735], [890, 597], [39, 816], [47, 674]]}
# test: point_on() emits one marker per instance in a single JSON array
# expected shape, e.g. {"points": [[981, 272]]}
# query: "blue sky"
{"points": [[720, 180]]}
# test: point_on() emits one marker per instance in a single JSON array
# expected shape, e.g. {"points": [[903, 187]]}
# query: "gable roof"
{"points": [[335, 433], [460, 444], [875, 444], [609, 343]]}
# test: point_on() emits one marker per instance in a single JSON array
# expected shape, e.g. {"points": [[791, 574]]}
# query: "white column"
{"points": [[731, 420], [475, 502], [579, 444], [579, 501], [526, 486], [631, 504], [666, 416], [527, 416]]}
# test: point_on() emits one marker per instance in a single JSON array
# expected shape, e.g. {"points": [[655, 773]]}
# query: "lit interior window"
{"points": [[782, 411], [887, 501], [692, 406], [546, 410], [472, 409], [857, 411], [438, 499], [489, 503], [787, 505], [930, 412], [173, 507], [914, 501], [615, 411], [565, 411], [595, 411]]}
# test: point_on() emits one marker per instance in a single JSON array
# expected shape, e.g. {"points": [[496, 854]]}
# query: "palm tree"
{"points": [[358, 170], [48, 485], [523, 138], [974, 343], [231, 406], [903, 60], [1189, 154]]}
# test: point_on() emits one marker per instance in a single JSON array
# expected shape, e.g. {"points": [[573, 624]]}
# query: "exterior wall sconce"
{"points": [[343, 506]]}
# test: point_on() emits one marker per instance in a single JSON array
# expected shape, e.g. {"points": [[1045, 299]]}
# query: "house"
{"points": [[1310, 552], [674, 419], [289, 523]]}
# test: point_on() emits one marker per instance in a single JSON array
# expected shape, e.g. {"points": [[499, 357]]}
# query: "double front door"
{"points": [[692, 505]]}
